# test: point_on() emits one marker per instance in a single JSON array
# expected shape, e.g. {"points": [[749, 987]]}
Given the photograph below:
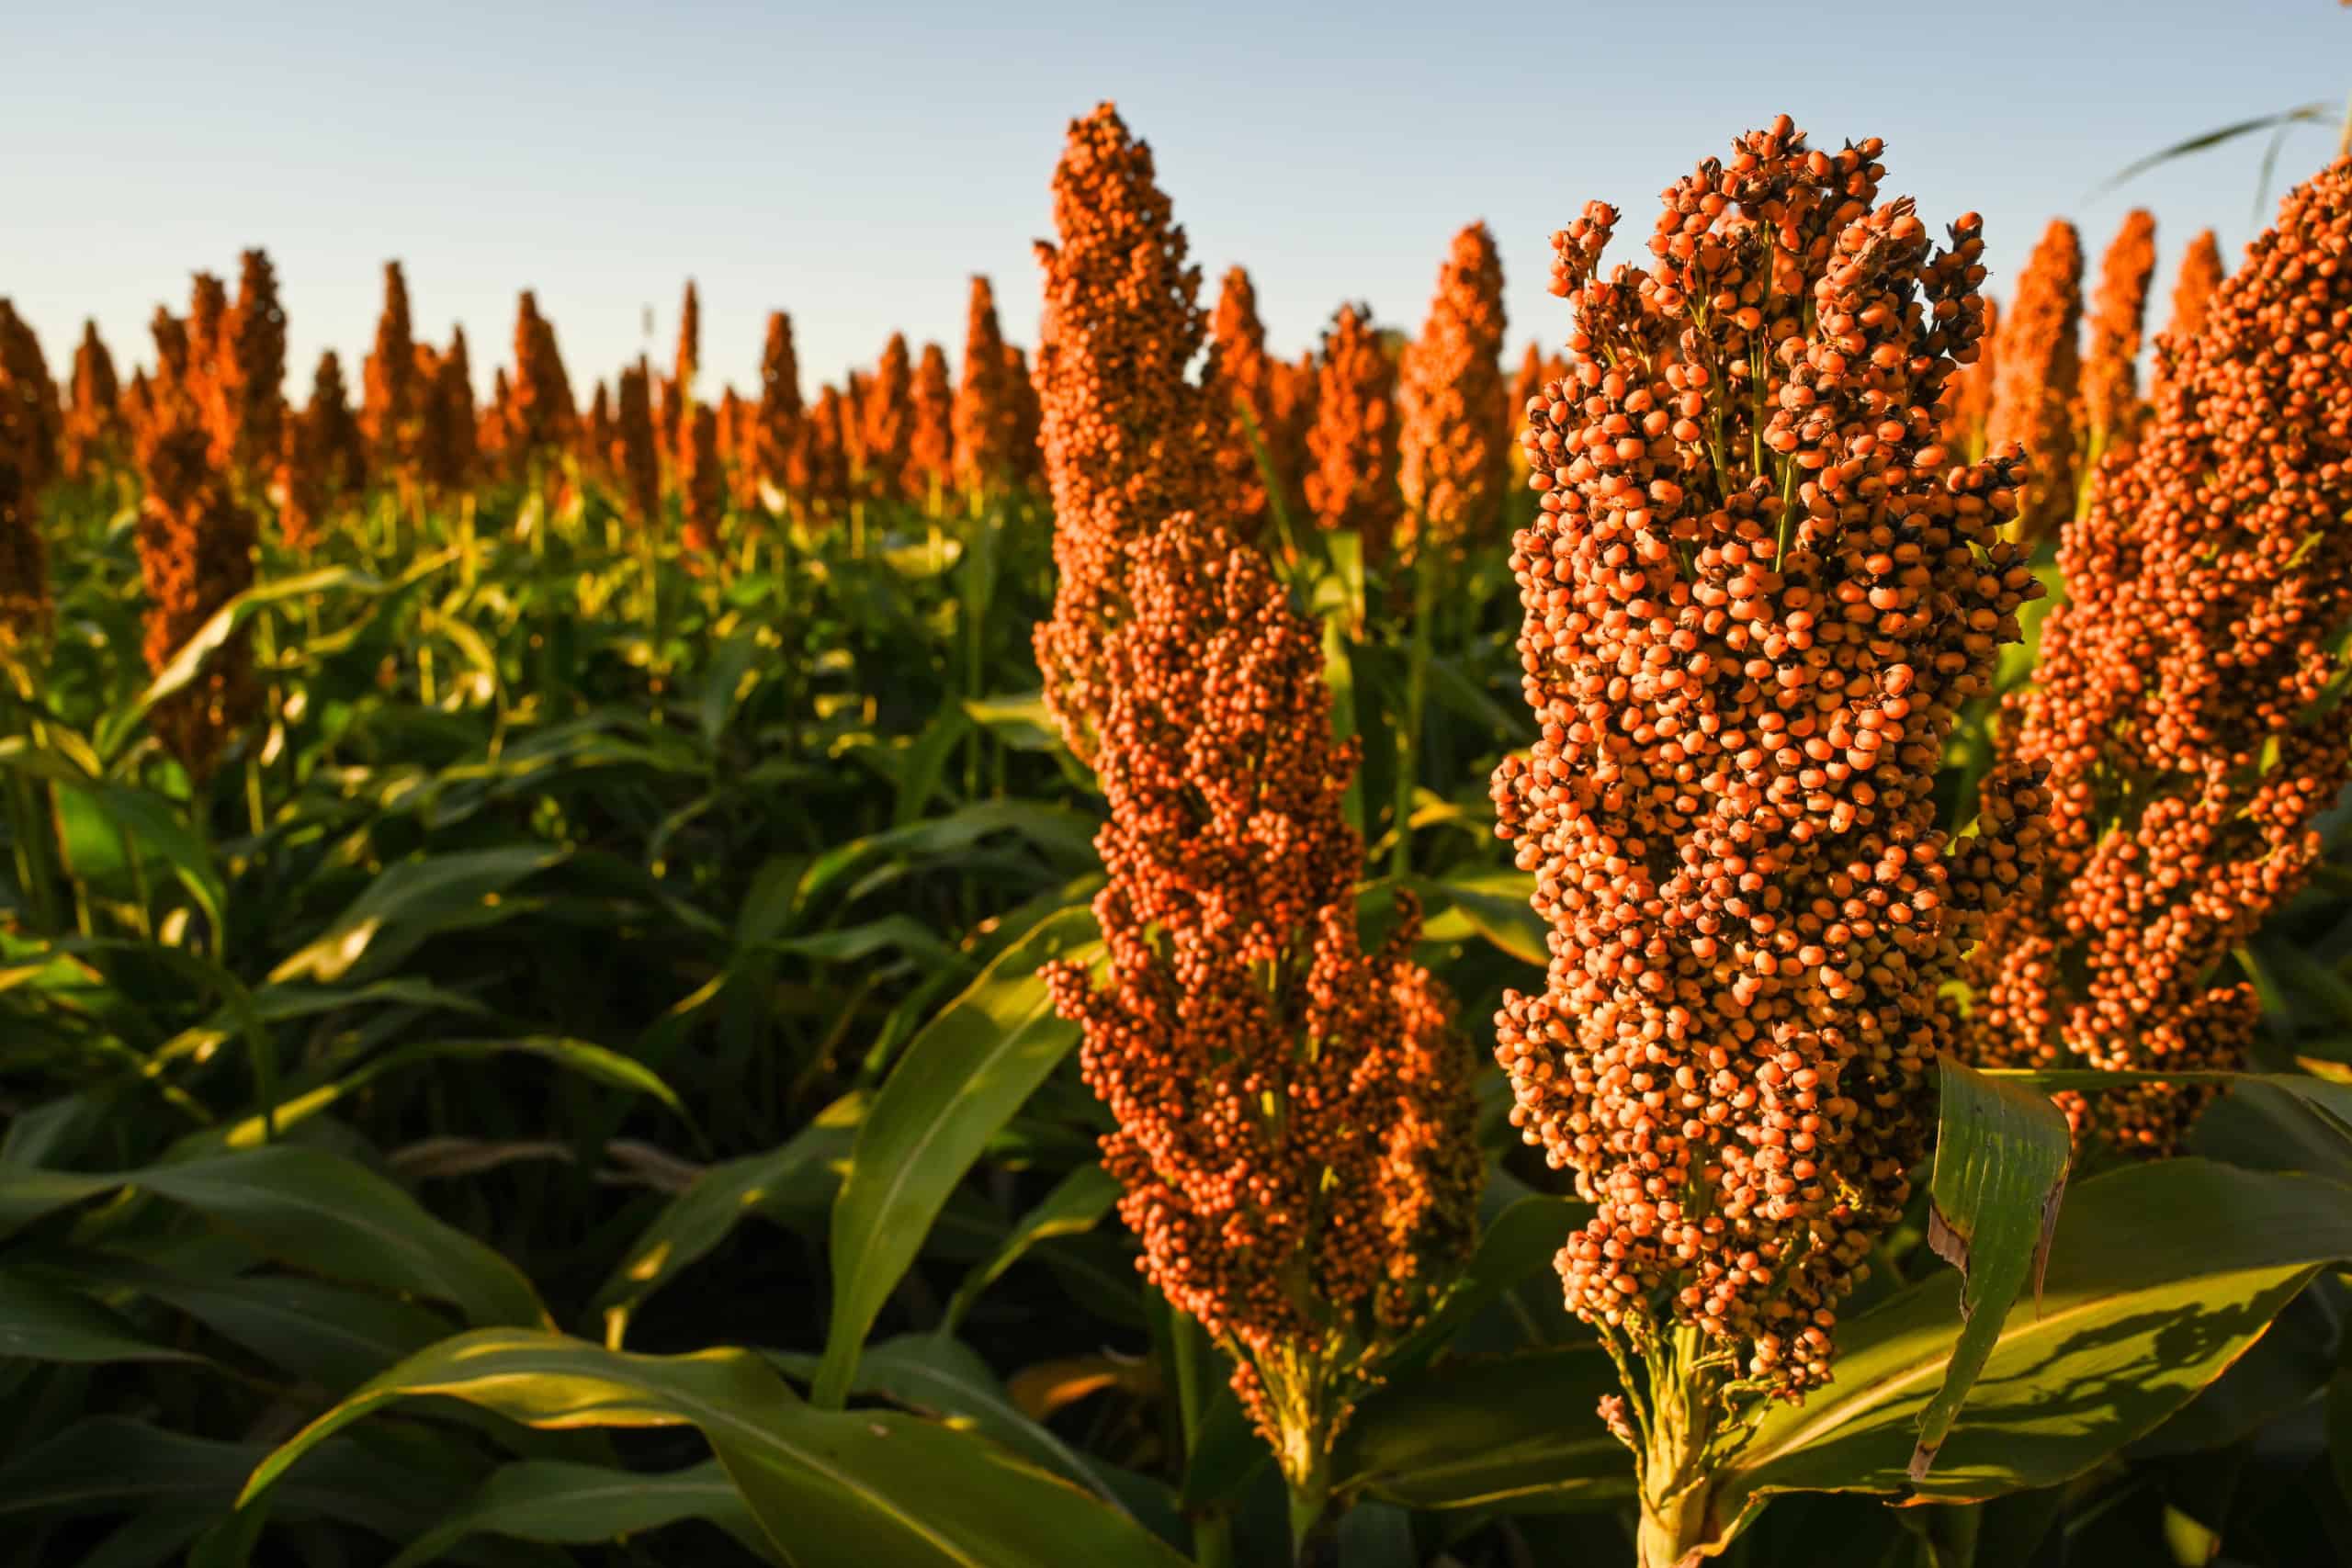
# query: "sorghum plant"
{"points": [[1122, 424], [931, 437], [985, 418], [636, 456], [445, 426], [2038, 378], [93, 425], [1454, 457], [1352, 448], [389, 394], [779, 407], [1241, 380], [28, 461], [1758, 591], [887, 426], [2185, 702], [1294, 1112], [539, 414], [251, 408], [2192, 291], [195, 546], [702, 487], [2118, 318]]}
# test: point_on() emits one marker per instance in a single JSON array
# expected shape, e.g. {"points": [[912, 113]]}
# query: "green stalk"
{"points": [[1189, 1350]]}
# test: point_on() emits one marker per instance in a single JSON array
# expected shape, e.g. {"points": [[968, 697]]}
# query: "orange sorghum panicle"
{"points": [[1121, 425], [701, 495], [885, 427], [446, 429], [29, 422], [195, 554], [779, 408], [93, 424], [1240, 383], [1351, 449], [2192, 292], [1028, 422], [596, 431], [1753, 610], [541, 412], [341, 444], [931, 435], [253, 375], [1455, 455], [689, 363], [2118, 317], [1296, 385], [739, 450], [984, 413], [637, 455], [2182, 702], [2201, 273], [2038, 377], [389, 394], [828, 449], [1295, 1114], [493, 428]]}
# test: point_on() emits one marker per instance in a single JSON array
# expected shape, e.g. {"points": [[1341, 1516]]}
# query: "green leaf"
{"points": [[408, 904], [2161, 1276], [1076, 1203], [2001, 1157], [826, 1486], [698, 1219], [1019, 723], [105, 1464], [42, 1321], [1493, 905], [580, 1505], [316, 1210], [329, 1335], [947, 1379], [597, 1062], [1508, 1432], [959, 1082]]}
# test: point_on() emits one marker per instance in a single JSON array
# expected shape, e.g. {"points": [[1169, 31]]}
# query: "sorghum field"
{"points": [[1713, 927]]}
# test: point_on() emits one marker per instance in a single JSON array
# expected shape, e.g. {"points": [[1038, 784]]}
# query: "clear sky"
{"points": [[855, 162]]}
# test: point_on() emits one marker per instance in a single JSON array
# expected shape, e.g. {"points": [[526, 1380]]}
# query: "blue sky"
{"points": [[855, 164]]}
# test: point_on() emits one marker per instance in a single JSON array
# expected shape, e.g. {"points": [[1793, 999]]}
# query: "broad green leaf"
{"points": [[329, 1335], [1508, 1432], [559, 1503], [826, 1486], [43, 1322], [959, 1082], [2159, 1279], [313, 1210], [943, 1377], [407, 903], [1077, 1202], [2001, 1157], [700, 1218]]}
